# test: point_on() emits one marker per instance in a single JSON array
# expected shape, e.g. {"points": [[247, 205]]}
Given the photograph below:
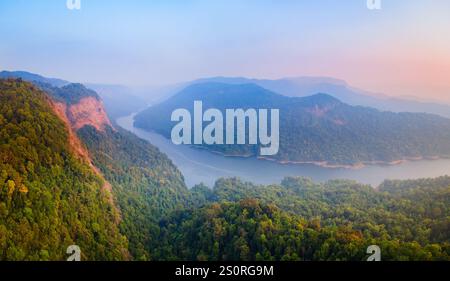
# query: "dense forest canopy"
{"points": [[295, 220], [146, 185], [302, 220]]}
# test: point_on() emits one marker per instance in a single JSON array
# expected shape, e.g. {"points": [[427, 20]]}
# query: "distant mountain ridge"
{"points": [[306, 86], [28, 76], [121, 100], [317, 129]]}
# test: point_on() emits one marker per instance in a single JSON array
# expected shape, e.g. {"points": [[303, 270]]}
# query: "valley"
{"points": [[69, 176], [317, 129], [200, 165], [206, 140]]}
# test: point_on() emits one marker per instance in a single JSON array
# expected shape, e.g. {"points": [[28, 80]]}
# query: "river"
{"points": [[199, 165]]}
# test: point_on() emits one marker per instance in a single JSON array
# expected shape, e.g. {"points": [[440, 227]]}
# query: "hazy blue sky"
{"points": [[403, 49]]}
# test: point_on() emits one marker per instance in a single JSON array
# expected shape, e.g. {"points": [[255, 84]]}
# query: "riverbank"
{"points": [[325, 164], [202, 166], [360, 165]]}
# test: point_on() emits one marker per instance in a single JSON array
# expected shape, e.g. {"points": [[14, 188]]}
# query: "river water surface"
{"points": [[199, 165]]}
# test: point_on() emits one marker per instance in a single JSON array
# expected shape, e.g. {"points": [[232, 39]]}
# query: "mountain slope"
{"points": [[146, 185], [141, 182], [119, 100], [80, 105], [144, 182], [317, 129], [50, 196]]}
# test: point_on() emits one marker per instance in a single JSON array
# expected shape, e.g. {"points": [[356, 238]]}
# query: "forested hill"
{"points": [[146, 185], [126, 183], [318, 129], [49, 197], [143, 181], [302, 220]]}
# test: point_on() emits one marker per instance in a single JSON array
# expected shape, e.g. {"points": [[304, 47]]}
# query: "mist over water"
{"points": [[201, 166]]}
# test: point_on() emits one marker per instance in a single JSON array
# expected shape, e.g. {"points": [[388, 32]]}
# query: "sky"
{"points": [[401, 50]]}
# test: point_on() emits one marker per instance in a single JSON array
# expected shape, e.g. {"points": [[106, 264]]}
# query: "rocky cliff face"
{"points": [[73, 102], [88, 111], [61, 111]]}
